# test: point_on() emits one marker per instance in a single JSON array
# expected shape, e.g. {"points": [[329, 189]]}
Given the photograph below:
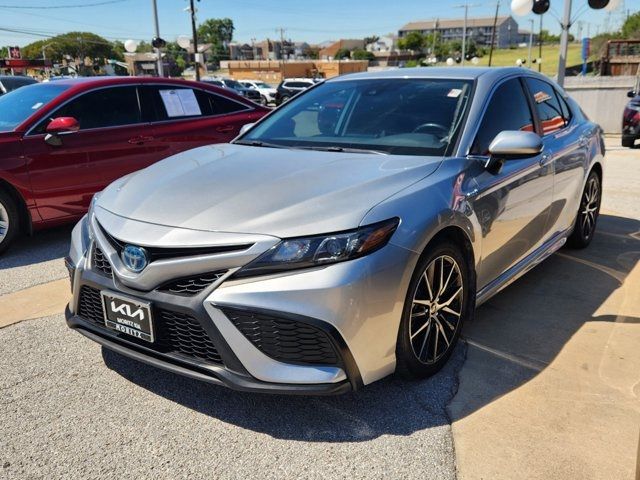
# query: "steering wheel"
{"points": [[432, 126]]}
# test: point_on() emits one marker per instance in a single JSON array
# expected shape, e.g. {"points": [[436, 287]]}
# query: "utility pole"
{"points": [[540, 45], [158, 50], [493, 32], [282, 62], [530, 43], [466, 7], [435, 36], [194, 32], [564, 41]]}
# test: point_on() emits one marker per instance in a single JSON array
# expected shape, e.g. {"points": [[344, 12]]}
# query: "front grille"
{"points": [[100, 263], [175, 332], [283, 339], [191, 285]]}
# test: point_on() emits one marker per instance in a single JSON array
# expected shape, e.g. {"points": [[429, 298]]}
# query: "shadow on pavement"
{"points": [[41, 247], [519, 332], [534, 318]]}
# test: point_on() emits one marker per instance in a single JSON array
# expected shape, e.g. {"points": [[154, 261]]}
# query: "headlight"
{"points": [[295, 253]]}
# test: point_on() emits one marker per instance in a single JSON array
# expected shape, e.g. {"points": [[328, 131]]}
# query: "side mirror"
{"points": [[513, 144], [63, 125], [245, 128], [631, 94], [60, 126]]}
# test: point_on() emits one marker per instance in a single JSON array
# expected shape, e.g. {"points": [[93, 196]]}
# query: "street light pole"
{"points": [[158, 50], [464, 33], [564, 42], [530, 43]]}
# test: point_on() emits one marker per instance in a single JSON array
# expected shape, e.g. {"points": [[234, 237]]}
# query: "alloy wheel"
{"points": [[4, 222], [436, 309], [589, 207]]}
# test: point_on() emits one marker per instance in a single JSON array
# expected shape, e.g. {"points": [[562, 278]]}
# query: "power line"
{"points": [[50, 7]]}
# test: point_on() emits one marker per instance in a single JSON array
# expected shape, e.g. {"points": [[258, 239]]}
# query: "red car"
{"points": [[63, 141]]}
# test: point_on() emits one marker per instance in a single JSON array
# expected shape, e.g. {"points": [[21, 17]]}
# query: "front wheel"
{"points": [[439, 300], [585, 225], [628, 142], [8, 220]]}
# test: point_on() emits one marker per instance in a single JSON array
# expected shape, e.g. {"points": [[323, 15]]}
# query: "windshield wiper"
{"points": [[258, 143], [334, 148]]}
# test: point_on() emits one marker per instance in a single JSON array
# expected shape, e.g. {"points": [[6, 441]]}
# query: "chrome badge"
{"points": [[134, 258]]}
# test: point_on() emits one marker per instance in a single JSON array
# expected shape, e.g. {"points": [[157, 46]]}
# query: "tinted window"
{"points": [[17, 106], [297, 85], [106, 107], [547, 105], [157, 105], [508, 110], [397, 116], [12, 83], [566, 111]]}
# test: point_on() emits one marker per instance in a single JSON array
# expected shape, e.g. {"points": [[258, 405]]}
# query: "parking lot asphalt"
{"points": [[549, 376]]}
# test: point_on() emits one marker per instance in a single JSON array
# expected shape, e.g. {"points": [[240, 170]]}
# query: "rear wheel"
{"points": [[263, 100], [587, 218], [437, 304], [628, 141], [9, 220]]}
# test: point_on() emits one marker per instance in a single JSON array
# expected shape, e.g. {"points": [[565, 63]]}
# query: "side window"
{"points": [[102, 108], [221, 105], [547, 106], [566, 111], [508, 109], [171, 102]]}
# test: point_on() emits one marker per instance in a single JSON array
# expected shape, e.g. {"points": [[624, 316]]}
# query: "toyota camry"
{"points": [[345, 236]]}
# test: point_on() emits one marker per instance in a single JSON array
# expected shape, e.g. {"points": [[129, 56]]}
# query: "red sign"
{"points": [[14, 53]]}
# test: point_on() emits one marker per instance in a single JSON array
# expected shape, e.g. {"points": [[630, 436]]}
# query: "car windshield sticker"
{"points": [[454, 93], [37, 106], [541, 97], [180, 103]]}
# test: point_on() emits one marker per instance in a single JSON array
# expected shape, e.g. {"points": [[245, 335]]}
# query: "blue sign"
{"points": [[586, 48]]}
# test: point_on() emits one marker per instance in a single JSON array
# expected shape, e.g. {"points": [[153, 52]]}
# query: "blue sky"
{"points": [[312, 21]]}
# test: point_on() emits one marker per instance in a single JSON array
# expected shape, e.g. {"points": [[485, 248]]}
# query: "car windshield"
{"points": [[233, 84], [400, 116], [20, 104], [262, 85]]}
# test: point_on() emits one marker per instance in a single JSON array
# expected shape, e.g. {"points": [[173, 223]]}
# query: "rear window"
{"points": [[297, 84], [11, 83], [20, 104]]}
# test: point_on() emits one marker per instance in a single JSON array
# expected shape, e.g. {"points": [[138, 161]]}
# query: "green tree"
{"points": [[371, 39], [74, 44], [412, 41], [361, 54], [342, 54], [4, 52], [144, 47], [631, 27], [547, 37], [217, 32]]}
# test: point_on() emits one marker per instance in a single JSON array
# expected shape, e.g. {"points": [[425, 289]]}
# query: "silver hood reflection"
{"points": [[270, 191]]}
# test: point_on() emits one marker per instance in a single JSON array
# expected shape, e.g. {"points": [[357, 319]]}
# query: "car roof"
{"points": [[462, 73], [85, 83]]}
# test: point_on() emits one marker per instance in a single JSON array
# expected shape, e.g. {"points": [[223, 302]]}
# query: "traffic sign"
{"points": [[14, 53]]}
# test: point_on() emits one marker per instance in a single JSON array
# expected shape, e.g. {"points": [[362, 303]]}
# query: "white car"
{"points": [[267, 92]]}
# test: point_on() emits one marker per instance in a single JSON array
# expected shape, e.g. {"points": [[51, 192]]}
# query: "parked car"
{"points": [[290, 87], [267, 92], [234, 86], [60, 142], [631, 120], [345, 236], [9, 83]]}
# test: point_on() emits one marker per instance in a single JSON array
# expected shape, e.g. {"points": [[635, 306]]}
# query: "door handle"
{"points": [[225, 128], [546, 158]]}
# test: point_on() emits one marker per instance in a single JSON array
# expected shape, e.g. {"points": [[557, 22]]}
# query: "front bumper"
{"points": [[355, 306]]}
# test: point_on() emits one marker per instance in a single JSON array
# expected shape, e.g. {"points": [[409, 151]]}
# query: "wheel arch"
{"points": [[26, 224]]}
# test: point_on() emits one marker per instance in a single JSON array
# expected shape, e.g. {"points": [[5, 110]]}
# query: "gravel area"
{"points": [[72, 410], [35, 260]]}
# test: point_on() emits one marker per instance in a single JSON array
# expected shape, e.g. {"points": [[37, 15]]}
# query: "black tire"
{"points": [[587, 216], [416, 356], [263, 101], [9, 220], [628, 142], [284, 99]]}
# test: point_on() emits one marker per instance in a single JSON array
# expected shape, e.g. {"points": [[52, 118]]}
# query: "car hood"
{"points": [[270, 191]]}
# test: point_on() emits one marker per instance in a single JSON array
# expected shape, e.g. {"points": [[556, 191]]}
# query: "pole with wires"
{"points": [[493, 32]]}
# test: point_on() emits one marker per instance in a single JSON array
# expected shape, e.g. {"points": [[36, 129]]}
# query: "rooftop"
{"points": [[453, 23]]}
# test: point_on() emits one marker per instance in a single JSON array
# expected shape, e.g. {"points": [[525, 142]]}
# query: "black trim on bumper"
{"points": [[216, 375]]}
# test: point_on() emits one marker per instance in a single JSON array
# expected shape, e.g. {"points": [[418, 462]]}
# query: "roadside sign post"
{"points": [[586, 50]]}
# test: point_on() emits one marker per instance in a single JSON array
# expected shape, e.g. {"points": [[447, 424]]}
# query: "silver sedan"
{"points": [[346, 236]]}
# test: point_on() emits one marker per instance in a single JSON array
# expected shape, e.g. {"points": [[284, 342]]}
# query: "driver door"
{"points": [[513, 203]]}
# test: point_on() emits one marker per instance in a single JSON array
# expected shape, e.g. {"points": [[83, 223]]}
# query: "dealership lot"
{"points": [[72, 410]]}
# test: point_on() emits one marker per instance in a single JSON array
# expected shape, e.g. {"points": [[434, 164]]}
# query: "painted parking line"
{"points": [[34, 302]]}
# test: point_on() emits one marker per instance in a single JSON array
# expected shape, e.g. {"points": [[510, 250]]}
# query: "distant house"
{"points": [[478, 29], [383, 44], [331, 50]]}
